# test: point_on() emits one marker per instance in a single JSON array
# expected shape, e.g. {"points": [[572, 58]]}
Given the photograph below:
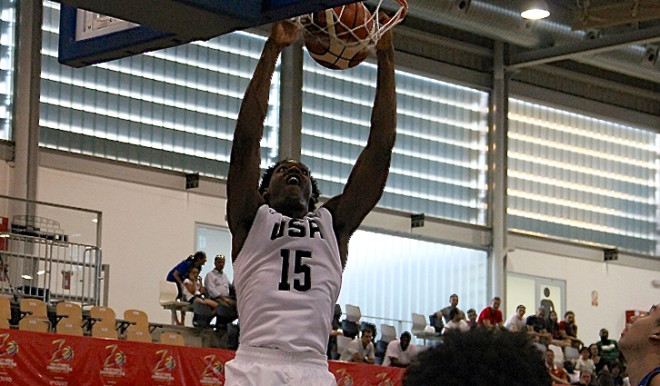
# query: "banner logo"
{"points": [[213, 372], [343, 378], [60, 356], [162, 371], [8, 348], [114, 361]]}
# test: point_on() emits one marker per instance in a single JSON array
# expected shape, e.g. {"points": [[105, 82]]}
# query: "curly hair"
{"points": [[268, 174], [480, 357]]}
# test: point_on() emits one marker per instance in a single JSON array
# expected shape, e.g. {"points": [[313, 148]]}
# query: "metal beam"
{"points": [[587, 47]]}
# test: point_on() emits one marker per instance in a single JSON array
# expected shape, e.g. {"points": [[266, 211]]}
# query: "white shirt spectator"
{"points": [[394, 351], [216, 284], [355, 346], [514, 323], [461, 326]]}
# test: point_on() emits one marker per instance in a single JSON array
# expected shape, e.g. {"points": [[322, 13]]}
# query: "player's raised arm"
{"points": [[367, 179], [243, 197]]}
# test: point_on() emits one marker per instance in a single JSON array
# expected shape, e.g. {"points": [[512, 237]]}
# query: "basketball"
{"points": [[338, 38]]}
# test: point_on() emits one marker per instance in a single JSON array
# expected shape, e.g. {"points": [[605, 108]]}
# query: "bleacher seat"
{"points": [[5, 312], [171, 337], [167, 298], [34, 323], [36, 309]]}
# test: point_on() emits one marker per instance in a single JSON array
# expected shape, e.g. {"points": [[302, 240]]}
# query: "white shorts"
{"points": [[255, 366]]}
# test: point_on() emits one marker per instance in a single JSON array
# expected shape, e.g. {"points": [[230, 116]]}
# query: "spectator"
{"points": [[608, 348], [599, 362], [472, 318], [193, 290], [585, 379], [553, 328], [516, 322], [179, 273], [640, 344], [219, 289], [556, 372], [568, 329], [456, 322], [453, 304], [536, 327], [616, 371], [491, 316], [584, 362], [360, 350], [504, 359], [400, 352]]}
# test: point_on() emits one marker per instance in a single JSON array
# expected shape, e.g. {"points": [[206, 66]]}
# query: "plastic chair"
{"points": [[69, 327], [139, 334], [5, 312], [34, 323], [353, 313], [571, 352], [104, 329], [36, 309], [559, 354], [172, 338], [71, 311], [387, 333], [167, 298], [419, 323], [342, 343]]}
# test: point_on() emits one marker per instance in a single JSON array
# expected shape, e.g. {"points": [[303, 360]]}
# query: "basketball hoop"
{"points": [[360, 34]]}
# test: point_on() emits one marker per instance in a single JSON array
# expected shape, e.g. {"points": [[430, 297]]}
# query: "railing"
{"points": [[49, 269]]}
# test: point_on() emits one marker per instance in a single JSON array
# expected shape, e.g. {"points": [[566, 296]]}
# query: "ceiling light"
{"points": [[535, 10], [26, 277]]}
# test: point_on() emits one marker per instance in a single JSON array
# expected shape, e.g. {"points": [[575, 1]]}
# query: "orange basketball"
{"points": [[338, 38]]}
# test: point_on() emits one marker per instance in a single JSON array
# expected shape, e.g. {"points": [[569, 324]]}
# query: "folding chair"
{"points": [[172, 338]]}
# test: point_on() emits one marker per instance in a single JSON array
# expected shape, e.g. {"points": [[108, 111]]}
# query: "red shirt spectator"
{"points": [[491, 316]]}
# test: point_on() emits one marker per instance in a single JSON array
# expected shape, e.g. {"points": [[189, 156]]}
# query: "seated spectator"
{"points": [[219, 289], [616, 372], [453, 363], [584, 362], [599, 362], [453, 305], [193, 290], [568, 329], [556, 372], [178, 274], [472, 318], [585, 379], [491, 316], [553, 328], [536, 327], [456, 322], [608, 348], [516, 322], [400, 352], [360, 350]]}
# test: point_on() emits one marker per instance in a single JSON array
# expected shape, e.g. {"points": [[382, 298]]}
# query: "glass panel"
{"points": [[520, 290], [439, 161], [214, 241], [391, 277], [579, 178], [174, 109], [7, 52]]}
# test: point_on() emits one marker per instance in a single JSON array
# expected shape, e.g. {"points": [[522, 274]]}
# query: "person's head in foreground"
{"points": [[640, 343], [480, 357]]}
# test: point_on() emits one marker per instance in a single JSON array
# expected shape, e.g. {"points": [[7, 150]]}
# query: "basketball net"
{"points": [[376, 30]]}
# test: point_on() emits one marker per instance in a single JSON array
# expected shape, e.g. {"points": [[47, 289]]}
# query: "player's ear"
{"points": [[265, 194]]}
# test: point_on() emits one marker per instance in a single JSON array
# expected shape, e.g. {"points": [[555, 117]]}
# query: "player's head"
{"points": [[505, 359], [199, 258], [642, 335], [286, 173]]}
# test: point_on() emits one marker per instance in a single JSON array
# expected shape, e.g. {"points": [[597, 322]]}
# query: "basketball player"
{"points": [[289, 256]]}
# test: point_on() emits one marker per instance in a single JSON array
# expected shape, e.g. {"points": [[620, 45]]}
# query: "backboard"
{"points": [[95, 31]]}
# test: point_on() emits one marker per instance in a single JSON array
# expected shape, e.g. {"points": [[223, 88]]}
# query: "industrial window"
{"points": [[7, 52], [425, 274], [439, 161], [173, 109], [580, 178]]}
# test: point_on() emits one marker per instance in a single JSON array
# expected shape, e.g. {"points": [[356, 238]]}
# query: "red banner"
{"points": [[32, 358]]}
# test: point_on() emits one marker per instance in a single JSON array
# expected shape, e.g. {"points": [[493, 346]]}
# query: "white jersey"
{"points": [[287, 278]]}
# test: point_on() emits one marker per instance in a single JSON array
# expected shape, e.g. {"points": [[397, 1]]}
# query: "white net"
{"points": [[345, 33]]}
